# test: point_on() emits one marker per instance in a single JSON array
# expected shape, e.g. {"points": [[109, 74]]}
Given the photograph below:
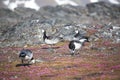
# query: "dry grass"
{"points": [[102, 62]]}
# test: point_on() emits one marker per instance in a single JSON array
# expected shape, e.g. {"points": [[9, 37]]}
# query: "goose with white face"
{"points": [[76, 45], [51, 40]]}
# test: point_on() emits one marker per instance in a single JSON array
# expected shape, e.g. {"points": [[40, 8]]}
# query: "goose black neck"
{"points": [[32, 58], [44, 35], [77, 34]]}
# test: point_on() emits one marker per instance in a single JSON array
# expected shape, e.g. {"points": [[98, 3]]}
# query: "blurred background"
{"points": [[22, 28], [36, 4]]}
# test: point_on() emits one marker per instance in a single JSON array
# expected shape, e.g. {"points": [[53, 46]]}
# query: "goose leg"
{"points": [[22, 61]]}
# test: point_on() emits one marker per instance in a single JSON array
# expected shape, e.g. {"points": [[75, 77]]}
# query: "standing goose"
{"points": [[77, 44], [26, 55]]}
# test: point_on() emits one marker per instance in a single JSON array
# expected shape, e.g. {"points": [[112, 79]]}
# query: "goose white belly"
{"points": [[52, 41], [28, 57], [77, 45]]}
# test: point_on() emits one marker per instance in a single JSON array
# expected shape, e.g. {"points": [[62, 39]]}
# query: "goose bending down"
{"points": [[77, 44], [26, 55]]}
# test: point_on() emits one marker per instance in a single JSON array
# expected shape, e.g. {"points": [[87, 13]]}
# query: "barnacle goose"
{"points": [[51, 40], [77, 44], [79, 36], [26, 55]]}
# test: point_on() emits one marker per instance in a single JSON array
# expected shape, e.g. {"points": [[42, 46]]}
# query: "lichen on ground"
{"points": [[89, 64]]}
